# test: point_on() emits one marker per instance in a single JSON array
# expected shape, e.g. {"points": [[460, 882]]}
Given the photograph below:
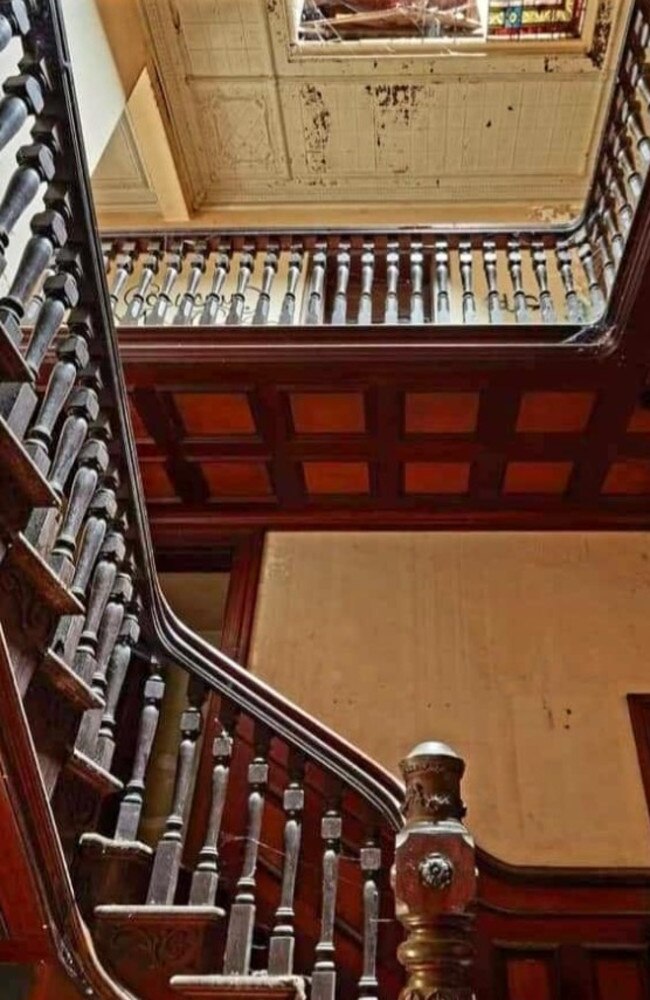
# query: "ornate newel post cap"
{"points": [[434, 877]]}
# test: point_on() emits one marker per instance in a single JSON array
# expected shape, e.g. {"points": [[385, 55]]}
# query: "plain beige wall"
{"points": [[516, 648]]}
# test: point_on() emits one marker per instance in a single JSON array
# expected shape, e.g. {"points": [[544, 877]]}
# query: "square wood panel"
{"points": [[156, 481], [327, 412], [207, 414], [554, 412], [436, 477], [440, 412], [336, 477], [537, 477], [237, 479], [629, 476]]}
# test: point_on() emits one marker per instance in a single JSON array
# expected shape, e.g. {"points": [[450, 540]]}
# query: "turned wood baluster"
{"points": [[150, 266], [540, 269], [323, 982], [618, 192], [158, 312], [469, 301], [118, 665], [595, 291], [282, 944], [440, 284], [364, 315], [238, 298], [391, 305], [261, 315], [370, 859], [82, 410], [60, 293], [35, 167], [123, 270], [167, 860], [632, 120], [417, 280], [205, 880], [516, 276], [93, 463], [185, 309], [102, 512], [110, 557], [315, 298], [49, 233], [213, 300], [628, 166], [606, 251], [288, 308], [239, 942], [490, 268], [24, 96], [130, 812], [37, 298], [109, 630], [14, 20], [340, 308], [73, 355], [573, 305]]}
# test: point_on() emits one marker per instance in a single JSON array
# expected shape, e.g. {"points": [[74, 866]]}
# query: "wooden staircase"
{"points": [[271, 874]]}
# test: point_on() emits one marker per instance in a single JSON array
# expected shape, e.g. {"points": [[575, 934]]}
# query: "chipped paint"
{"points": [[316, 126], [602, 31]]}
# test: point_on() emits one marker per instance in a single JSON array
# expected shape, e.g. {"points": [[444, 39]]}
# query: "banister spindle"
{"points": [[73, 356], [315, 303], [93, 463], [82, 410], [118, 665], [35, 167], [490, 268], [370, 859], [573, 305], [540, 269], [24, 96], [239, 942], [340, 308], [130, 812], [110, 557], [124, 265], [628, 166], [37, 298], [60, 293], [238, 298], [150, 265], [469, 301], [14, 20], [364, 315], [618, 193], [281, 948], [205, 880], [606, 252], [185, 309], [102, 511], [632, 120], [440, 284], [261, 314], [596, 295], [516, 277], [167, 859], [417, 281], [391, 305], [215, 297], [288, 309], [323, 982], [158, 312]]}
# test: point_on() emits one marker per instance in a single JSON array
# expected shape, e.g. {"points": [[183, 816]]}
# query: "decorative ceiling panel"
{"points": [[259, 118]]}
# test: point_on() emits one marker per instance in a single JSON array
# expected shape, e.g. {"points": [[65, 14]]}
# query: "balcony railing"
{"points": [[554, 284]]}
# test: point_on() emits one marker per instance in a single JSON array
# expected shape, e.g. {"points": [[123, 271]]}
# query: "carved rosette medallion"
{"points": [[436, 871]]}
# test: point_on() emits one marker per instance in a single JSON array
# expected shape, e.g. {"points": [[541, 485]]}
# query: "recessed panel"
{"points": [[529, 978], [621, 977], [436, 477], [207, 413], [237, 479], [537, 477], [554, 412], [630, 476], [156, 481], [440, 412], [327, 412], [336, 477]]}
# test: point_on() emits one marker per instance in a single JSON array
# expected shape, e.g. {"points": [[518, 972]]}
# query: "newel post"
{"points": [[435, 878]]}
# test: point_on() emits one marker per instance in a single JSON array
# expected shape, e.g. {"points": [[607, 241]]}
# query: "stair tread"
{"points": [[88, 771], [16, 463], [24, 557], [12, 363], [187, 914], [62, 677], [241, 987]]}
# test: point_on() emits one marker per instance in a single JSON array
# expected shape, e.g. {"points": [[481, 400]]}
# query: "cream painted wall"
{"points": [[518, 649]]}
